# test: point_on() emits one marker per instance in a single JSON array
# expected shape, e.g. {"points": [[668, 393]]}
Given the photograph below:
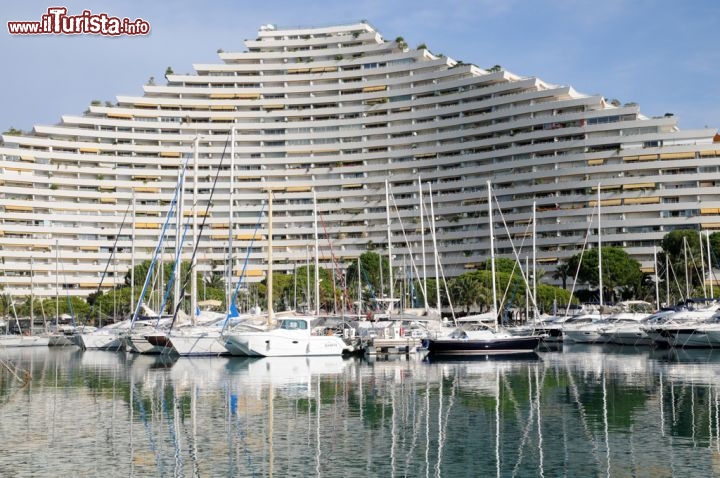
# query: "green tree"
{"points": [[370, 264], [431, 286], [548, 296], [215, 281], [674, 242], [141, 272], [467, 291], [284, 287], [502, 264], [23, 308], [620, 272], [76, 307], [682, 252], [5, 305]]}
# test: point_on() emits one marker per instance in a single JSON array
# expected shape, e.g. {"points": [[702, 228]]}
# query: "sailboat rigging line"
{"points": [[438, 264], [14, 311], [173, 274], [671, 269], [201, 228], [112, 253], [369, 284], [577, 271], [159, 244], [67, 296], [26, 376], [407, 243], [447, 293], [335, 265], [516, 253], [244, 267]]}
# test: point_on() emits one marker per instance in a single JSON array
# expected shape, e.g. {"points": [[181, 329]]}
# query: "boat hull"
{"points": [[198, 344], [500, 345], [629, 337], [60, 340], [23, 341], [264, 344], [100, 341], [140, 343]]}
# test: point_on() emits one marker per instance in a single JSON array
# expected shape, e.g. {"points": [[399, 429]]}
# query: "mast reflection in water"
{"points": [[581, 411]]}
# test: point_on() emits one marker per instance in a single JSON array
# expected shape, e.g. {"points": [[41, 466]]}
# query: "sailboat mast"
{"points": [[193, 264], [422, 245], [709, 261], [269, 286], [231, 260], [57, 286], [534, 265], [492, 257], [687, 279], [389, 240], [132, 258], [32, 296], [527, 291], [667, 280], [307, 272], [178, 239], [702, 265], [317, 258], [295, 286], [359, 291], [435, 250], [657, 279], [600, 271]]}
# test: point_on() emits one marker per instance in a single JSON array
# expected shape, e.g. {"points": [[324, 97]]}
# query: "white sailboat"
{"points": [[291, 336], [22, 339]]}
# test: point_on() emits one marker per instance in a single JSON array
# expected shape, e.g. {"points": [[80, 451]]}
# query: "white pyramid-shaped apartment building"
{"points": [[340, 111]]}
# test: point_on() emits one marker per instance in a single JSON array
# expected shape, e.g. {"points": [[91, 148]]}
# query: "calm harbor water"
{"points": [[579, 411]]}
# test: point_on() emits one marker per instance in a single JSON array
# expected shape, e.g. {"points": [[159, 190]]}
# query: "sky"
{"points": [[662, 54]]}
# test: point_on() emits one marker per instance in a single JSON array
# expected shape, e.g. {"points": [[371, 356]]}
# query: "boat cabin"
{"points": [[298, 324], [293, 324]]}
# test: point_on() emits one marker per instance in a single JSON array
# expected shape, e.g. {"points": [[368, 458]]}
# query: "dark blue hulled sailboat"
{"points": [[486, 341]]}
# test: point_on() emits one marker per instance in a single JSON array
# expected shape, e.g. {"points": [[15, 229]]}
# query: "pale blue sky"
{"points": [[661, 54]]}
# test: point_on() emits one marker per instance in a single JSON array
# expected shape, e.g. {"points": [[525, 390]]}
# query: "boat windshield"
{"points": [[293, 324]]}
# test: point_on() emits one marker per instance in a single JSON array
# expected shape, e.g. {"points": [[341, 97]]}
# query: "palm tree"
{"points": [[561, 273], [466, 291], [215, 281], [5, 304]]}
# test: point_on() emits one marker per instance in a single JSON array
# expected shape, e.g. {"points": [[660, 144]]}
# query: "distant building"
{"points": [[339, 110]]}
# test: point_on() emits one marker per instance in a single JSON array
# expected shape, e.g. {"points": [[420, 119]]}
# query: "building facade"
{"points": [[338, 113]]}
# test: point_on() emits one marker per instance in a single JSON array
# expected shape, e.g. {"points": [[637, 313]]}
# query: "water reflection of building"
{"points": [[579, 412]]}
